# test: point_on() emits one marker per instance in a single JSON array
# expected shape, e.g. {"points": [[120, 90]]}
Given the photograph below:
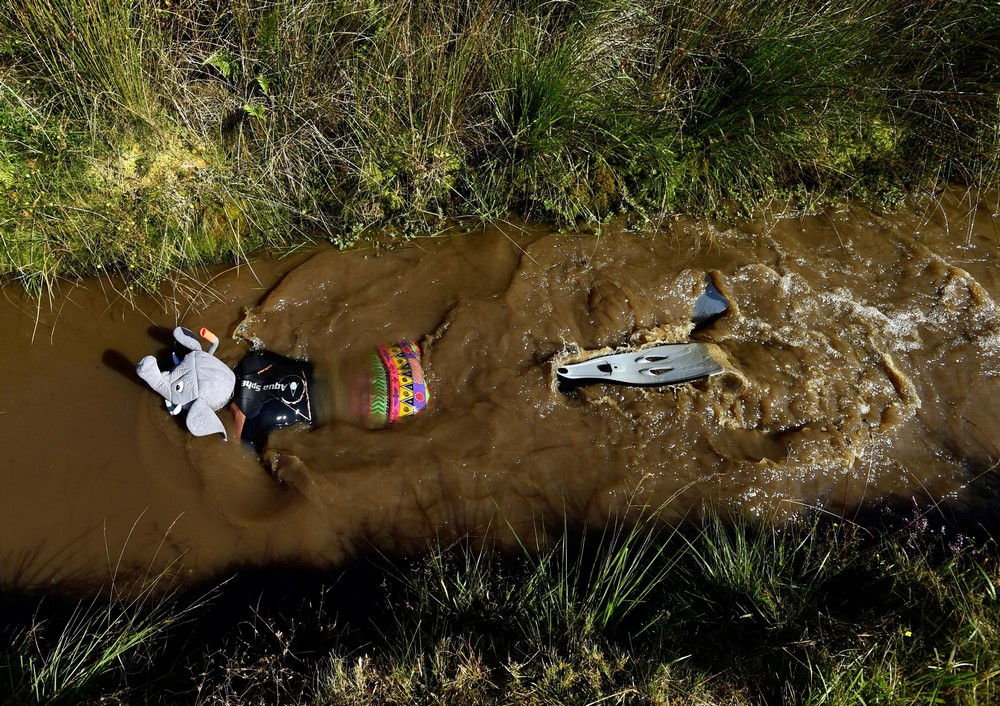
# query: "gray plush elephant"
{"points": [[199, 384]]}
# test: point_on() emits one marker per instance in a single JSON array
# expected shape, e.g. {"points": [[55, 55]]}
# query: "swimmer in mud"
{"points": [[273, 391], [268, 391]]}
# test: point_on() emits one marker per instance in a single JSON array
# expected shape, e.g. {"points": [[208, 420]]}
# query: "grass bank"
{"points": [[141, 137], [710, 614]]}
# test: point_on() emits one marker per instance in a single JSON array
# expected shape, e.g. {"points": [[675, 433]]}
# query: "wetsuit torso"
{"points": [[272, 391]]}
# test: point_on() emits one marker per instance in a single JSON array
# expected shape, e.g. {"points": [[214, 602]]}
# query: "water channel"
{"points": [[862, 353]]}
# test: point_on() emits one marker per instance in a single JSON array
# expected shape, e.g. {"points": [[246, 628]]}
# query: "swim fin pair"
{"points": [[665, 364]]}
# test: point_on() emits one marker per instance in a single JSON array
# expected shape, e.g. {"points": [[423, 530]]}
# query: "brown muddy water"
{"points": [[861, 350]]}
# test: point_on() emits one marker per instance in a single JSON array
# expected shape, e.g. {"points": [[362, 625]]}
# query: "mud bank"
{"points": [[861, 354]]}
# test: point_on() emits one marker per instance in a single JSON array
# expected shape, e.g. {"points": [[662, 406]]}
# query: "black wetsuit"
{"points": [[272, 391]]}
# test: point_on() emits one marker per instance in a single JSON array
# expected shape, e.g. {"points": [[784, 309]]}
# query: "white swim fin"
{"points": [[665, 364]]}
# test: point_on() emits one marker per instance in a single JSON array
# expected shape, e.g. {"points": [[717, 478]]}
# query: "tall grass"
{"points": [[91, 646], [220, 127], [95, 56], [727, 613], [711, 613]]}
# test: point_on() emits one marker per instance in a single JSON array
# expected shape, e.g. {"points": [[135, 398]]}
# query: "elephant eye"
{"points": [[179, 386]]}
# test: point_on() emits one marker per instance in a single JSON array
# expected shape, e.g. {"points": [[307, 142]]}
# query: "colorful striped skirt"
{"points": [[397, 387]]}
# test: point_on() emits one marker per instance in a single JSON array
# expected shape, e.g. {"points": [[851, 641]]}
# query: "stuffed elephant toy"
{"points": [[200, 384]]}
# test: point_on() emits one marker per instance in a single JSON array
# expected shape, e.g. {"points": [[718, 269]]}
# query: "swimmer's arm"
{"points": [[240, 419]]}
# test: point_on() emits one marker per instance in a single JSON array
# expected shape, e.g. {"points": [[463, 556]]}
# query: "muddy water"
{"points": [[861, 354]]}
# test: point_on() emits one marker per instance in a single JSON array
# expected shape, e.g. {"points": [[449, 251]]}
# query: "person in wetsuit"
{"points": [[267, 390], [272, 391]]}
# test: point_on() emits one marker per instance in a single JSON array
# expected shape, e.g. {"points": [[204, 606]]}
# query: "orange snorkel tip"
{"points": [[212, 339]]}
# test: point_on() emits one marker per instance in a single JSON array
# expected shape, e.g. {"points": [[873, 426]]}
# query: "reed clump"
{"points": [[76, 651], [139, 138], [711, 613], [721, 614]]}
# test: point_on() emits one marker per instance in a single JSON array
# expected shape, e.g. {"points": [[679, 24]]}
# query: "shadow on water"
{"points": [[976, 518], [252, 619], [253, 624], [121, 364]]}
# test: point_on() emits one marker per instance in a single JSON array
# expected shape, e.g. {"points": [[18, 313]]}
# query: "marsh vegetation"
{"points": [[713, 613], [139, 138]]}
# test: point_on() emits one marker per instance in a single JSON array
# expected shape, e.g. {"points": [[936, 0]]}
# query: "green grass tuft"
{"points": [[709, 613], [260, 123], [95, 646]]}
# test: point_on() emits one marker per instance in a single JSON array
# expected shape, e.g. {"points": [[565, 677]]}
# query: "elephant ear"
{"points": [[202, 421], [186, 338]]}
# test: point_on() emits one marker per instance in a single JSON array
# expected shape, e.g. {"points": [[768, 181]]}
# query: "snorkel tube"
{"points": [[213, 344], [213, 340]]}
